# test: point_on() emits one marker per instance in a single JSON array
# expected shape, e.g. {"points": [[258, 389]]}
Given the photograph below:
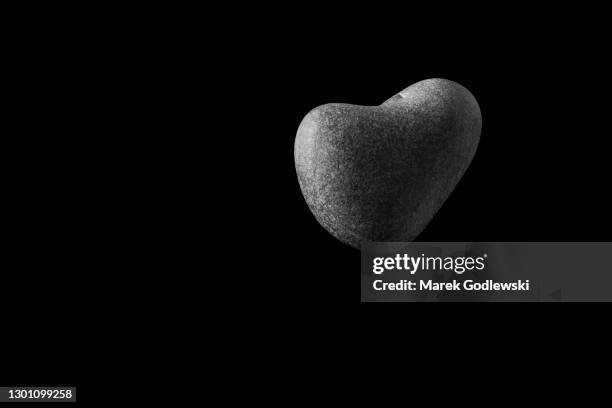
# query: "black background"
{"points": [[540, 173]]}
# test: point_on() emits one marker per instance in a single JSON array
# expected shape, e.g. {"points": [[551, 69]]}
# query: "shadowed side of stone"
{"points": [[381, 173]]}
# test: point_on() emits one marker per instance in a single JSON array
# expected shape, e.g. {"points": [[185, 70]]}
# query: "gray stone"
{"points": [[380, 173]]}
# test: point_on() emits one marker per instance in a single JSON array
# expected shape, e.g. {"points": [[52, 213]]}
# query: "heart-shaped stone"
{"points": [[380, 173]]}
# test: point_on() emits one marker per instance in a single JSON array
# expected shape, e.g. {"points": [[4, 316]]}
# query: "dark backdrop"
{"points": [[541, 171]]}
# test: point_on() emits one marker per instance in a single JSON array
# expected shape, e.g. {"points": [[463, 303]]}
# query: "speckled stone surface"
{"points": [[380, 173]]}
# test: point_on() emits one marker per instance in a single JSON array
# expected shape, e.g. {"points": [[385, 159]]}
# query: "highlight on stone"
{"points": [[380, 173]]}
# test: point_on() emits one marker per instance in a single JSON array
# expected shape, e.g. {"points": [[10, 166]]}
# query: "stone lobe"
{"points": [[380, 173]]}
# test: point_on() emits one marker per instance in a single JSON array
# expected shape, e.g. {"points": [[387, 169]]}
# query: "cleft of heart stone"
{"points": [[380, 173]]}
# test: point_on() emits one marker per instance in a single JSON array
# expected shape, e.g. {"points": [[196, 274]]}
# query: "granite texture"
{"points": [[380, 173]]}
